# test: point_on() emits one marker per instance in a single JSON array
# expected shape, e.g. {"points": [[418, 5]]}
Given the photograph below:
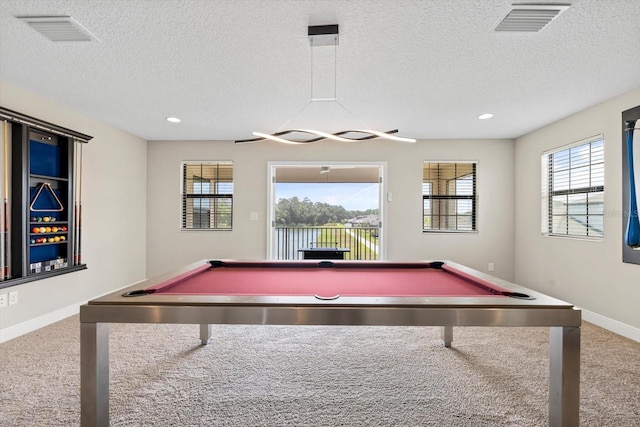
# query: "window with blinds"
{"points": [[449, 196], [207, 195], [573, 190]]}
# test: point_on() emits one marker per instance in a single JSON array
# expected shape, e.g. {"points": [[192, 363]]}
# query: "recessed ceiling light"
{"points": [[173, 119], [485, 116]]}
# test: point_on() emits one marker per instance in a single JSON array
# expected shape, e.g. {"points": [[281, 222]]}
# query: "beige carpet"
{"points": [[316, 376]]}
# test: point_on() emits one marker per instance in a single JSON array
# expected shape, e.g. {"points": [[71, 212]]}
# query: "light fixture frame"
{"points": [[319, 136], [324, 35]]}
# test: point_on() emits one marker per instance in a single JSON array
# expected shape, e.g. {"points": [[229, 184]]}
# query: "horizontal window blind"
{"points": [[207, 195], [449, 196], [573, 190]]}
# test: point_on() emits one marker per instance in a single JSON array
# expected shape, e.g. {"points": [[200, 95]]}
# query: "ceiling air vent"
{"points": [[59, 28], [530, 17]]}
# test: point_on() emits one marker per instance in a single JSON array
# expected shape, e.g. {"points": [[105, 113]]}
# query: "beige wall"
{"points": [[589, 274], [132, 206], [168, 247], [114, 217]]}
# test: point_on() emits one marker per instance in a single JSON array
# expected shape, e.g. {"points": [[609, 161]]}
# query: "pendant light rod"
{"points": [[324, 35]]}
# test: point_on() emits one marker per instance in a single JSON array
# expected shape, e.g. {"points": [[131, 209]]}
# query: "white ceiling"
{"points": [[230, 67]]}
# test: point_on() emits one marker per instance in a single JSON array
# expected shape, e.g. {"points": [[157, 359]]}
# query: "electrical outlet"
{"points": [[3, 300], [13, 297]]}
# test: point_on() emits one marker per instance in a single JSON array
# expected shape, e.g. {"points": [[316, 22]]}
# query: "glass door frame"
{"points": [[272, 166]]}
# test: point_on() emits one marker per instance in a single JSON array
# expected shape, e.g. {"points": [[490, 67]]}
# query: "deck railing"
{"points": [[362, 242]]}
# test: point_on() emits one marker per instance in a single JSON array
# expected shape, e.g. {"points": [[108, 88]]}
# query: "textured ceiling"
{"points": [[229, 67]]}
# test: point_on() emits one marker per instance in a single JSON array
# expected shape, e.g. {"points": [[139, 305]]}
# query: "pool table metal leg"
{"points": [[564, 376], [205, 333], [447, 335], [94, 374]]}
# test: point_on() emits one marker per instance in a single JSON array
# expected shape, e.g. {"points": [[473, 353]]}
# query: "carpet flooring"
{"points": [[316, 376]]}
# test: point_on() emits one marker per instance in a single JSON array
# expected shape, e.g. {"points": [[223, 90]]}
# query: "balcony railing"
{"points": [[362, 242]]}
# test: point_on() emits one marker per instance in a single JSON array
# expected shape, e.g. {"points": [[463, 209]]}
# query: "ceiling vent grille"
{"points": [[59, 28], [530, 17]]}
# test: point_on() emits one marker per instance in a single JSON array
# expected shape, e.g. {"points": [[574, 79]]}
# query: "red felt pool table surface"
{"points": [[270, 279]]}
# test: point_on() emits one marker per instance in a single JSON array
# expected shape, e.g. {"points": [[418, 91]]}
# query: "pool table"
{"points": [[381, 293]]}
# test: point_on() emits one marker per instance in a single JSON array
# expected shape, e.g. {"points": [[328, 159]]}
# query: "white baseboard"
{"points": [[23, 328], [45, 320], [38, 322], [612, 325]]}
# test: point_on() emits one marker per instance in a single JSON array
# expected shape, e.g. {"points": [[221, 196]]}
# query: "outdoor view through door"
{"points": [[330, 211]]}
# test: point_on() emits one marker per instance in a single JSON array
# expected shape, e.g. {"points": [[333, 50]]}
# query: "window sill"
{"points": [[579, 238]]}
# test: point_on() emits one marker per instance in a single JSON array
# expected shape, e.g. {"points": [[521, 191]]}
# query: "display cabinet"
{"points": [[42, 216]]}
